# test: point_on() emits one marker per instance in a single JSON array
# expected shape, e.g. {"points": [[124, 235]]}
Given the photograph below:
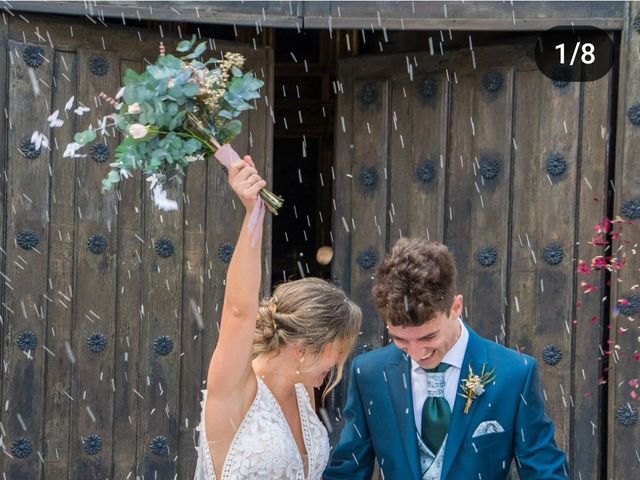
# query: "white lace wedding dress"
{"points": [[263, 447]]}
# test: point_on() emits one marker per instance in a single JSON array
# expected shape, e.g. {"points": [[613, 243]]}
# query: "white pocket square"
{"points": [[488, 427]]}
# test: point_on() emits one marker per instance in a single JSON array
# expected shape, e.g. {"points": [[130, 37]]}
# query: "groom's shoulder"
{"points": [[507, 356]]}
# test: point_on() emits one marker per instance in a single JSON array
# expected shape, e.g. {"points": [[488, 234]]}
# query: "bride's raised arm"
{"points": [[230, 367]]}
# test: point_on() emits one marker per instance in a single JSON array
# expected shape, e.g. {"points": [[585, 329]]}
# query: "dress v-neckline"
{"points": [[303, 424]]}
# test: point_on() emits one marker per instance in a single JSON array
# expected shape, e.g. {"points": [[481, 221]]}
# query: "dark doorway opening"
{"points": [[302, 151]]}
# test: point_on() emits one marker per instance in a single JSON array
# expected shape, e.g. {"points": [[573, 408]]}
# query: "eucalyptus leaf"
{"points": [[252, 82], [233, 128], [106, 185], [237, 85], [182, 77], [157, 72], [198, 51], [191, 89], [250, 95], [113, 177], [186, 45], [85, 137], [172, 109]]}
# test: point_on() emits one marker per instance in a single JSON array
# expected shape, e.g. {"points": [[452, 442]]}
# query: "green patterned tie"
{"points": [[436, 413]]}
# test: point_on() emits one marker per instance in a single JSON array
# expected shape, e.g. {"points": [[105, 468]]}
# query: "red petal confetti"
{"points": [[599, 241], [583, 267], [598, 263], [587, 287]]}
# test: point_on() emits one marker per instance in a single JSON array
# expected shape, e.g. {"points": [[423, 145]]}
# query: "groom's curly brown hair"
{"points": [[415, 282]]}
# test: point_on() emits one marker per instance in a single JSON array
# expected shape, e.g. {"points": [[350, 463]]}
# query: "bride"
{"points": [[258, 416]]}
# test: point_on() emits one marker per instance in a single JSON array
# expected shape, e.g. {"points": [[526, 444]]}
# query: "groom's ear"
{"points": [[456, 307]]}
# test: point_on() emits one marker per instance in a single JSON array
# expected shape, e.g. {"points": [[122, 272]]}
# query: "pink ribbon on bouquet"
{"points": [[227, 156]]}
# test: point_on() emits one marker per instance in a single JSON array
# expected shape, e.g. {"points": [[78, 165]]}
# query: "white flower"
{"points": [[138, 131], [134, 108], [81, 110], [34, 139], [153, 179], [194, 158], [54, 121], [69, 104], [124, 173], [161, 200], [39, 140], [479, 390], [71, 149], [120, 93]]}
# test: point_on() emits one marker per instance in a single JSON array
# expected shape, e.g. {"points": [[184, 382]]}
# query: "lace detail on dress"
{"points": [[263, 447], [313, 433]]}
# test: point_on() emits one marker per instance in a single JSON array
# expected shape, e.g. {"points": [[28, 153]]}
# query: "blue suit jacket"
{"points": [[379, 421]]}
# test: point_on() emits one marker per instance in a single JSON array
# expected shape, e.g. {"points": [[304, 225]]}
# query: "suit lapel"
{"points": [[398, 375], [476, 356]]}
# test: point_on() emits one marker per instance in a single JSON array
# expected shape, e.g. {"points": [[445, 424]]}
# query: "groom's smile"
{"points": [[427, 344]]}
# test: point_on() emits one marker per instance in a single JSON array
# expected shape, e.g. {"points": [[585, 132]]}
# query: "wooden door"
{"points": [[111, 385], [479, 150]]}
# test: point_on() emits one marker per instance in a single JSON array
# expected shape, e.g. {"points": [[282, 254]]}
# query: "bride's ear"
{"points": [[299, 349]]}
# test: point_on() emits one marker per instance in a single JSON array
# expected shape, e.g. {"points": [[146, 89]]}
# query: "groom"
{"points": [[422, 407]]}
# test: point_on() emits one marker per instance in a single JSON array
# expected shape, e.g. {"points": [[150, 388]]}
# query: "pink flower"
{"points": [[134, 108], [138, 131]]}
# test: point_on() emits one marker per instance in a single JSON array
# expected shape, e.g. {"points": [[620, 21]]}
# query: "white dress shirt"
{"points": [[453, 357]]}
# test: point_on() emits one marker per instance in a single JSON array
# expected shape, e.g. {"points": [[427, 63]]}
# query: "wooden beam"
{"points": [[488, 16], [263, 14], [464, 24]]}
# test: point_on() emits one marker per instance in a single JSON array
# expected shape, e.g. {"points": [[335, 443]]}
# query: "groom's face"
{"points": [[428, 343]]}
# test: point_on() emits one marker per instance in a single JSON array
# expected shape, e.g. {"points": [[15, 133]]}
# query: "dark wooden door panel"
{"points": [[127, 299], [489, 156]]}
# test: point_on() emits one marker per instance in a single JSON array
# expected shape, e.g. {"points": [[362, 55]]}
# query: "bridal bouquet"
{"points": [[179, 110]]}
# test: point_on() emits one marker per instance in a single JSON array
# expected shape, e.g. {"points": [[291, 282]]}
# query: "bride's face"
{"points": [[428, 343], [315, 368]]}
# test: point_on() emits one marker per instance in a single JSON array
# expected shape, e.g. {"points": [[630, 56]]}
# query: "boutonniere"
{"points": [[473, 386]]}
